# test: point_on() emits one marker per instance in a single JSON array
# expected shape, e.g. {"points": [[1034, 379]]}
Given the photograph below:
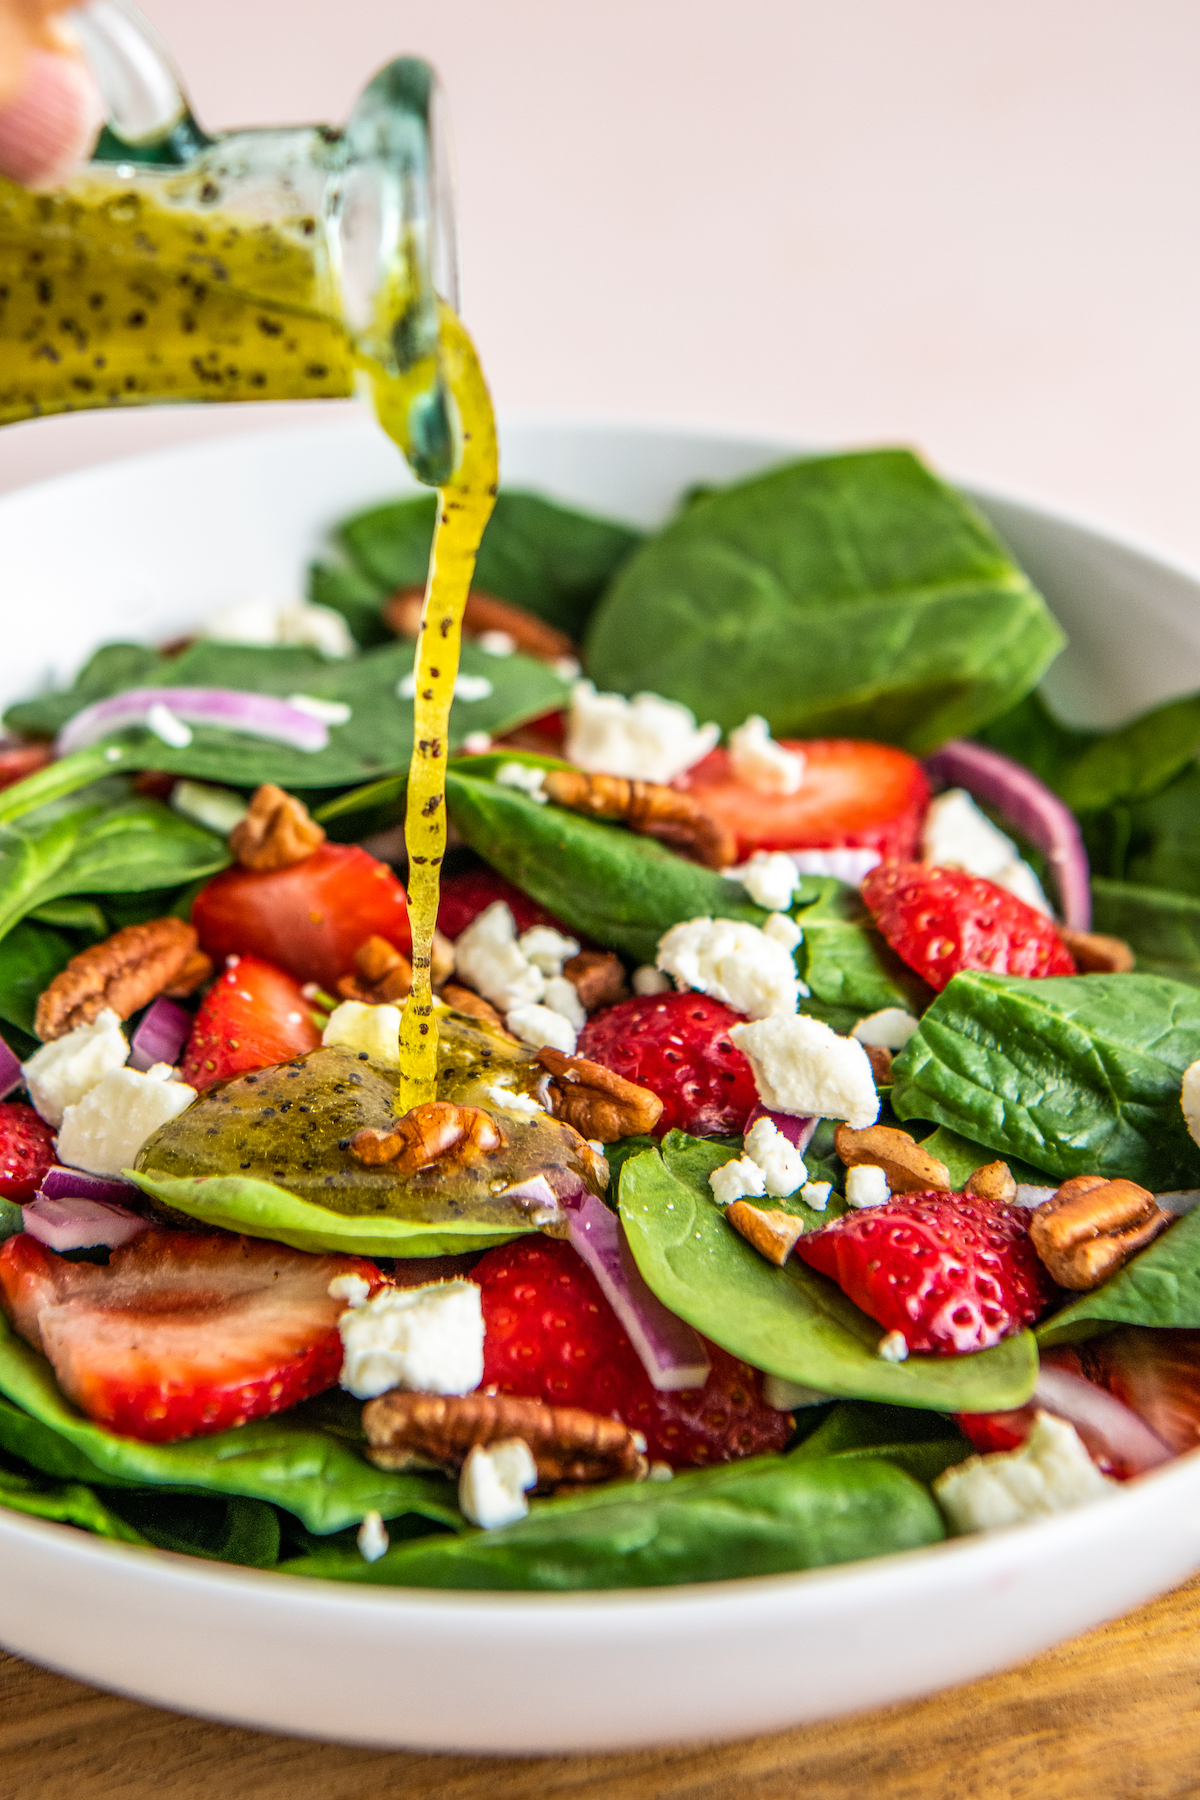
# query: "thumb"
{"points": [[49, 125]]}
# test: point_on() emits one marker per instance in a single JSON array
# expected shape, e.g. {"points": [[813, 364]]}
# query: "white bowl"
{"points": [[146, 548]]}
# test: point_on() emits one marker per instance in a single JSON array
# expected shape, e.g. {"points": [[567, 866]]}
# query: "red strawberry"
{"points": [[854, 794], [551, 1335], [308, 919], [465, 896], [950, 1272], [182, 1333], [678, 1046], [19, 760], [26, 1151], [252, 1015], [1117, 1440], [943, 920]]}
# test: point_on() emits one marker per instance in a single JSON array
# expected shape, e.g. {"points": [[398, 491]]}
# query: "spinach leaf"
{"points": [[921, 1443], [1076, 1076], [790, 1321], [228, 1528], [307, 1470], [847, 967], [66, 1502], [356, 597], [763, 1516], [548, 558], [850, 595], [73, 915], [1162, 928], [30, 957], [1161, 1286], [1154, 842], [962, 1157], [1093, 770]]}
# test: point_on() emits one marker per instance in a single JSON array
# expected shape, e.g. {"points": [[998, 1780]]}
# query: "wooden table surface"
{"points": [[1112, 1715]]}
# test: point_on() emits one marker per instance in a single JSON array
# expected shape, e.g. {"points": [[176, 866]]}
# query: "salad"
{"points": [[818, 1091]]}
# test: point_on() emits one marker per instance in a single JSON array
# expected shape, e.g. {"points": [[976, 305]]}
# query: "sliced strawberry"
{"points": [[941, 921], [308, 919], [551, 1335], [678, 1046], [952, 1273], [854, 794], [19, 760], [26, 1151], [252, 1015], [465, 896], [182, 1333], [1156, 1373], [1117, 1440]]}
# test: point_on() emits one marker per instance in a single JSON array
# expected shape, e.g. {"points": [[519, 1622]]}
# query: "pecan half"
{"points": [[125, 972], [1096, 954], [277, 831], [647, 807], [908, 1168], [880, 1059], [567, 1443], [773, 1233], [381, 974], [598, 977], [596, 1102], [483, 613], [992, 1181], [429, 1134], [1086, 1231], [466, 1000]]}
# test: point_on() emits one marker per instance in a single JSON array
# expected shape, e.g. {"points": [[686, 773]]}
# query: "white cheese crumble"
{"points": [[372, 1538], [645, 739], [374, 1030], [801, 1066], [477, 743], [547, 949], [1189, 1099], [782, 929], [350, 1288], [866, 1185], [816, 1194], [843, 863], [494, 1482], [489, 958], [427, 1339], [216, 808], [167, 728], [889, 1029], [761, 763], [104, 1131], [648, 980], [525, 779], [893, 1348], [1050, 1473], [562, 996], [957, 834], [330, 712], [466, 687], [785, 1396], [739, 1179], [1020, 880], [260, 621], [540, 1026], [518, 1103], [734, 962], [769, 878], [62, 1071], [781, 1163], [497, 643]]}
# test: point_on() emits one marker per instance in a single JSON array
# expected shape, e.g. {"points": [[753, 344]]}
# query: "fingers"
{"points": [[49, 125]]}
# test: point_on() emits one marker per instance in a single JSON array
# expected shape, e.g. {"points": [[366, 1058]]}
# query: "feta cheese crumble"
{"points": [[167, 728], [540, 1026], [562, 996], [350, 1288], [216, 808], [781, 1163], [958, 835], [801, 1066], [816, 1194], [373, 1030], [770, 879], [893, 1348], [494, 1482], [761, 763], [62, 1071], [648, 980], [525, 779], [104, 1131], [866, 1185], [497, 643], [477, 743], [427, 1339], [489, 958], [330, 712], [781, 929], [1050, 1473], [372, 1538], [466, 687], [518, 1103], [645, 739], [259, 621], [1189, 1099], [843, 863], [889, 1029], [739, 1179], [547, 949], [734, 962]]}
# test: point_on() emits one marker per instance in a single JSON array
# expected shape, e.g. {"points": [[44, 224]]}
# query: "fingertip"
{"points": [[48, 130]]}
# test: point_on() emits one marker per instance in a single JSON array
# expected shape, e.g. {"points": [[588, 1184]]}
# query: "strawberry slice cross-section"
{"points": [[182, 1333]]}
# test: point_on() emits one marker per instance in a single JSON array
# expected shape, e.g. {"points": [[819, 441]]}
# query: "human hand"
{"points": [[50, 108]]}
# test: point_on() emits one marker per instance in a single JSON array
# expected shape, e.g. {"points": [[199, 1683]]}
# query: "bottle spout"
{"points": [[149, 119]]}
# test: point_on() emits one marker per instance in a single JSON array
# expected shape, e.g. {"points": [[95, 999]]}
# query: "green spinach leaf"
{"points": [[921, 1443], [358, 599], [1162, 928], [30, 957], [790, 1321], [224, 1528], [1160, 1286], [850, 595], [65, 1502], [1076, 1076], [847, 967], [962, 1157], [1093, 770]]}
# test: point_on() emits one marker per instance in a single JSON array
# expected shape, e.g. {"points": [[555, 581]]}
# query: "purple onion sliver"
{"points": [[10, 1071], [672, 1354], [256, 715], [796, 1129], [80, 1224], [160, 1036], [59, 1183], [1035, 813]]}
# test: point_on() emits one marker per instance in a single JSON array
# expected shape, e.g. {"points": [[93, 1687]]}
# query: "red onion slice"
{"points": [[160, 1036], [1118, 1441], [60, 1183], [1026, 804], [796, 1129], [672, 1354], [80, 1224], [10, 1071], [255, 715]]}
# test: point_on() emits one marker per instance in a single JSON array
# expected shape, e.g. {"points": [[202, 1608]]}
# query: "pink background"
{"points": [[975, 228]]}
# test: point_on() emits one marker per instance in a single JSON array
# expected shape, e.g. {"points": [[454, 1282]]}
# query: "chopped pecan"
{"points": [[908, 1168], [880, 1059], [772, 1233], [598, 1103], [567, 1444], [427, 1134], [484, 613], [992, 1181], [125, 972], [195, 971], [1091, 1226], [276, 832], [598, 977], [650, 808], [381, 975], [1096, 954], [466, 1000]]}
